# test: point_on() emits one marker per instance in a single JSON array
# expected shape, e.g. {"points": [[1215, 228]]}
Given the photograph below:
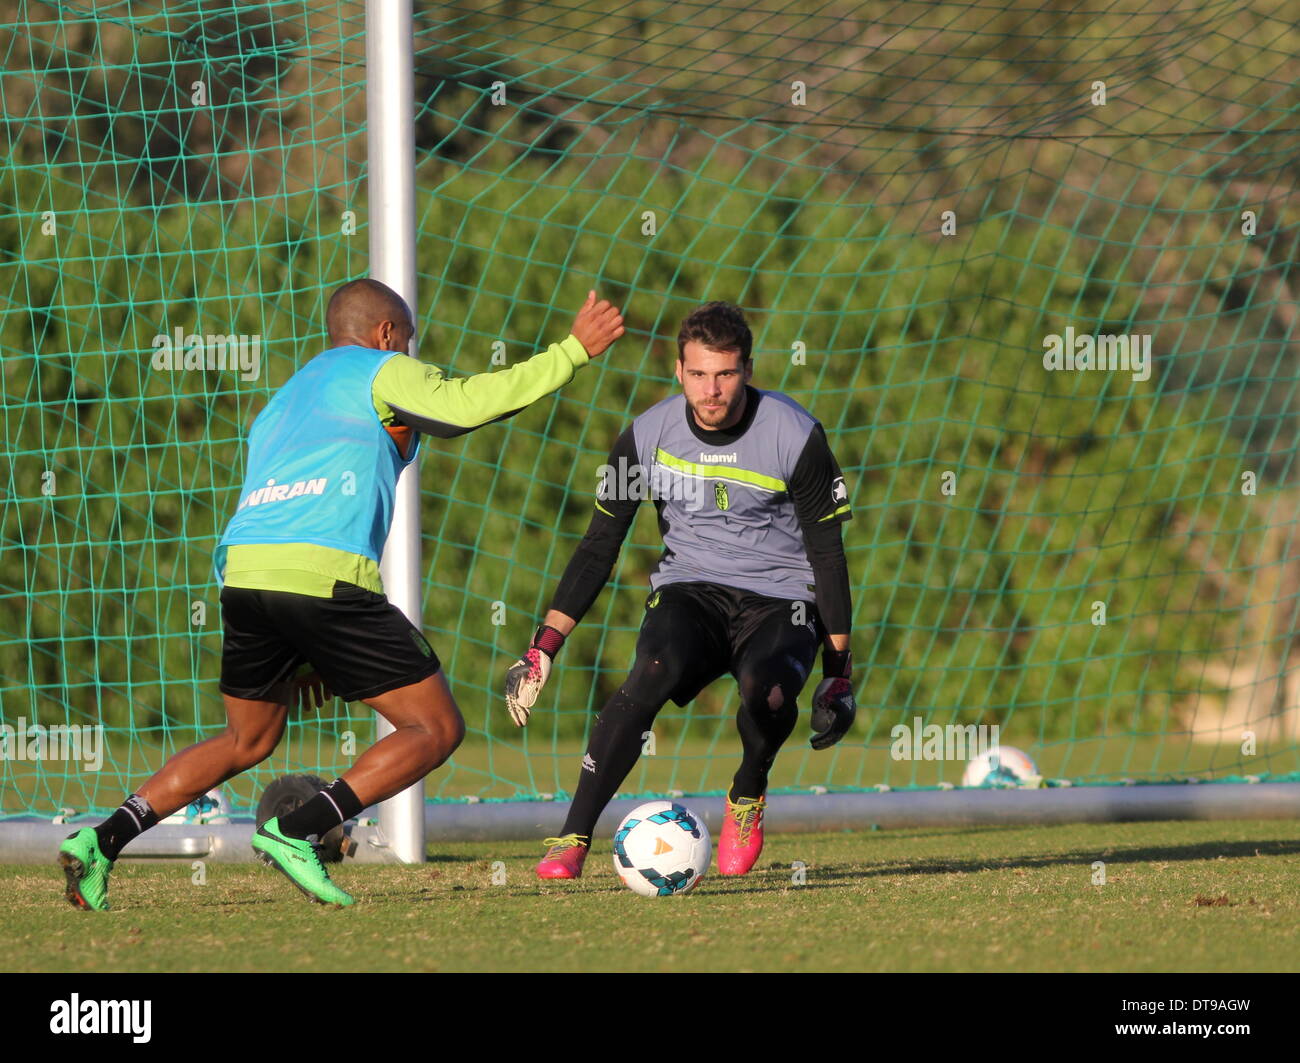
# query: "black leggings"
{"points": [[690, 637]]}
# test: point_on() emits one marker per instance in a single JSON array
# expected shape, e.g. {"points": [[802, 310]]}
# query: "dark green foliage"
{"points": [[923, 352]]}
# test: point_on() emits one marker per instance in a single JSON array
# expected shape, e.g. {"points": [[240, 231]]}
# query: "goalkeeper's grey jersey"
{"points": [[731, 510]]}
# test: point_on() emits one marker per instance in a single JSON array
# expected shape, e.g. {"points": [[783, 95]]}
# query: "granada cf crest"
{"points": [[720, 495]]}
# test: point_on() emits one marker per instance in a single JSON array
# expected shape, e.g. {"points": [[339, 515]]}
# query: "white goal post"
{"points": [[390, 150]]}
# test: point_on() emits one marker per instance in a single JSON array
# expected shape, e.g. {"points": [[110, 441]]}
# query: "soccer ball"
{"points": [[212, 807], [661, 849], [1001, 766]]}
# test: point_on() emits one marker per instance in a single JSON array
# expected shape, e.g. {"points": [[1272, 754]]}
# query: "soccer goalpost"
{"points": [[1047, 320], [390, 127]]}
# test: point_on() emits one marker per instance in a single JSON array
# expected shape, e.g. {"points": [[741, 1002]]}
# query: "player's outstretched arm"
{"points": [[584, 577], [821, 500], [833, 706], [419, 396]]}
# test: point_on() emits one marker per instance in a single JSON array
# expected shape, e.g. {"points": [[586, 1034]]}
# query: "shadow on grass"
{"points": [[776, 877], [830, 875]]}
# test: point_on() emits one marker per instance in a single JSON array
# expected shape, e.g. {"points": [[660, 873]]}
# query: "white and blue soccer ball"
{"points": [[662, 849], [1001, 766], [213, 807]]}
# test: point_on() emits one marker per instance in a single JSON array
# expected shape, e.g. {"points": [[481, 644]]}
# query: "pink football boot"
{"points": [[565, 857], [742, 835]]}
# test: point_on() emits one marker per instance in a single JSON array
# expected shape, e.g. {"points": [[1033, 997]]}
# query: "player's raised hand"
{"points": [[526, 677], [597, 325], [833, 705]]}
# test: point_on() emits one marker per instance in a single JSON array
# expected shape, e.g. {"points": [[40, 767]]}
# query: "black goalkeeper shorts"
{"points": [[360, 643], [710, 630]]}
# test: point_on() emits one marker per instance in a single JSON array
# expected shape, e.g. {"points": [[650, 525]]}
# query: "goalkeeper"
{"points": [[300, 561], [750, 501]]}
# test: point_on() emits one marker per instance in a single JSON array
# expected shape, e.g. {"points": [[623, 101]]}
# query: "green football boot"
{"points": [[86, 869], [299, 862]]}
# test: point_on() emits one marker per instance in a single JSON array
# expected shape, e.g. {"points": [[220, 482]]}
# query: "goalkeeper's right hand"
{"points": [[526, 677]]}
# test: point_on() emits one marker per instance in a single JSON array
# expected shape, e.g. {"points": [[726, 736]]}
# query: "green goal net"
{"points": [[1031, 265]]}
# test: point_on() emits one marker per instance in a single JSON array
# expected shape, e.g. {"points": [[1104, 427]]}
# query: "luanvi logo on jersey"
{"points": [[102, 1016], [588, 764], [839, 493], [717, 459], [274, 492]]}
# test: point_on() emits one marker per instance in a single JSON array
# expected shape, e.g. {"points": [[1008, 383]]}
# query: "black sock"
{"points": [[133, 818], [332, 806], [763, 731], [614, 747]]}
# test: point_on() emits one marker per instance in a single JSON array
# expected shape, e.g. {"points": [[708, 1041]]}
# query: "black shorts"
{"points": [[360, 643], [719, 629]]}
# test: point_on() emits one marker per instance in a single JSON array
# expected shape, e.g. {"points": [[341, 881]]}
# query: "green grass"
{"points": [[1177, 897]]}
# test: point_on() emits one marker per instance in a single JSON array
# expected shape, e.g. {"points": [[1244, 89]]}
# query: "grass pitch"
{"points": [[1176, 897]]}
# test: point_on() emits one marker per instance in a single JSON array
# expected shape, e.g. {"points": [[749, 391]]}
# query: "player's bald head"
{"points": [[358, 310]]}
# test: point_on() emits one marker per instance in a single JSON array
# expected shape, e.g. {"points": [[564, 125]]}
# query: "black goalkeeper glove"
{"points": [[833, 707]]}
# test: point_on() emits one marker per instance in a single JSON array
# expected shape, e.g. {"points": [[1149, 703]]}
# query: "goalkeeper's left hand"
{"points": [[833, 707]]}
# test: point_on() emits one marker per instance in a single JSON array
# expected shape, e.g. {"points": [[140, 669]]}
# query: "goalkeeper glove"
{"points": [[526, 677], [833, 707]]}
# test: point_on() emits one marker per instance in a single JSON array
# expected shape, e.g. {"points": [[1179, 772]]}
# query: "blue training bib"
{"points": [[321, 467]]}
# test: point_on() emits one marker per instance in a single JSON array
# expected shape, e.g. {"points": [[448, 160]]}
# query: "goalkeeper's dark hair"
{"points": [[718, 326]]}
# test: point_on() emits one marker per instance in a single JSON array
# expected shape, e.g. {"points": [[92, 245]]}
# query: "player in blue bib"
{"points": [[752, 581], [302, 604]]}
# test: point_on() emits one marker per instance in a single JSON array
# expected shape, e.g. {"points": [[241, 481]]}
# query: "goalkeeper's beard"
{"points": [[717, 418]]}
